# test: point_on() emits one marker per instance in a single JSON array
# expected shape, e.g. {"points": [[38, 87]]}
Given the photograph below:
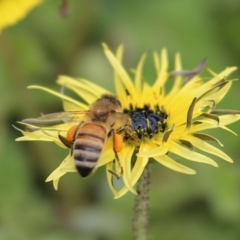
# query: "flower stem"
{"points": [[141, 208]]}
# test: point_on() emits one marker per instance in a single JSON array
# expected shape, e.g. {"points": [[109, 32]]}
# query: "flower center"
{"points": [[146, 121]]}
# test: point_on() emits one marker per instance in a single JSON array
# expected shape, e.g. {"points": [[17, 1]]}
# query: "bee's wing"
{"points": [[52, 119]]}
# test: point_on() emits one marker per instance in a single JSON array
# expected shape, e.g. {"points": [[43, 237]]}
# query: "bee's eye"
{"points": [[113, 111]]}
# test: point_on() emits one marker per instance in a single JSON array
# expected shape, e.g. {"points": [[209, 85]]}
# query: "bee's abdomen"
{"points": [[87, 147]]}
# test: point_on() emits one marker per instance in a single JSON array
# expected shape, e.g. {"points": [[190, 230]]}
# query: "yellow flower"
{"points": [[163, 122], [11, 11]]}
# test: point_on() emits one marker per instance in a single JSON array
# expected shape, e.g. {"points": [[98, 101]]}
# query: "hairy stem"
{"points": [[141, 208]]}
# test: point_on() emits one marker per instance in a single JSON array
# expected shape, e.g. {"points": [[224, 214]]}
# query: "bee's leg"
{"points": [[117, 147], [65, 141], [69, 139], [114, 174], [131, 134]]}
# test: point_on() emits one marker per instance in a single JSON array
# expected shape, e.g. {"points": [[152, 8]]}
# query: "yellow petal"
{"points": [[30, 137], [220, 94], [177, 80], [209, 124], [138, 75], [94, 87], [189, 154], [125, 157], [157, 64], [106, 157], [13, 11], [63, 97], [107, 154], [221, 75], [55, 183], [162, 73], [119, 88], [118, 68], [109, 168], [154, 150], [33, 136], [67, 165], [85, 89], [68, 106], [136, 173], [170, 163], [206, 147], [228, 119]]}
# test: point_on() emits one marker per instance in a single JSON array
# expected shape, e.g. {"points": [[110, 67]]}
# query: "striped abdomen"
{"points": [[87, 147]]}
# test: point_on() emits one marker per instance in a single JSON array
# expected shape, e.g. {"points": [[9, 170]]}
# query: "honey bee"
{"points": [[86, 139]]}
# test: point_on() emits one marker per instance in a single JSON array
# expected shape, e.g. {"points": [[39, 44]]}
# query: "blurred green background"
{"points": [[44, 45]]}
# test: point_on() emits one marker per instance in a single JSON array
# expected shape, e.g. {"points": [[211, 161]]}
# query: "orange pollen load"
{"points": [[71, 133], [118, 142]]}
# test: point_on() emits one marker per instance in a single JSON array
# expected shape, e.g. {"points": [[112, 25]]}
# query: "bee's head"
{"points": [[105, 105]]}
